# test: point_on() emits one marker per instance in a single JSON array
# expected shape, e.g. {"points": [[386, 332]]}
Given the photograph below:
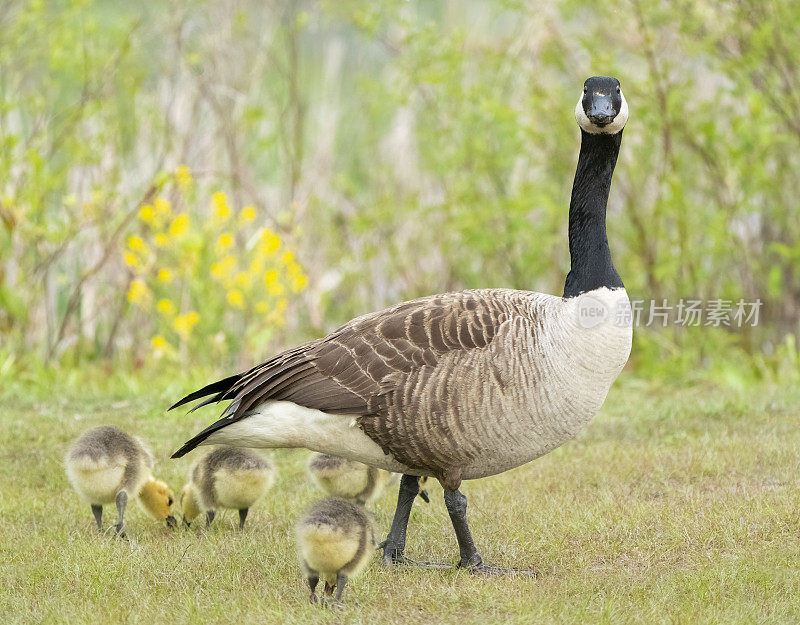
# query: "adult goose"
{"points": [[461, 385]]}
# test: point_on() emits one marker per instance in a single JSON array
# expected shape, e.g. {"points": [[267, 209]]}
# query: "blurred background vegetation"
{"points": [[205, 182]]}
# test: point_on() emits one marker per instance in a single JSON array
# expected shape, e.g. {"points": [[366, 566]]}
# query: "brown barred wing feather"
{"points": [[367, 365]]}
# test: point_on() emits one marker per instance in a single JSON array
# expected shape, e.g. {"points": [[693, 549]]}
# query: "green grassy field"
{"points": [[673, 506]]}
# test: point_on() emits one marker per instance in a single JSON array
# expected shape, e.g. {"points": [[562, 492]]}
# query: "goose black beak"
{"points": [[171, 521], [601, 112]]}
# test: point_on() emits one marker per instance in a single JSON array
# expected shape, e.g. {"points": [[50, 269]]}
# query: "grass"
{"points": [[672, 507]]}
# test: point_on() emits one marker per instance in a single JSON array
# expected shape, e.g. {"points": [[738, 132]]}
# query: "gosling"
{"points": [[228, 477], [348, 479], [106, 465], [335, 540]]}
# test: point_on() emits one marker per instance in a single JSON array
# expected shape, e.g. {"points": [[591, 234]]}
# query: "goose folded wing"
{"points": [[348, 371]]}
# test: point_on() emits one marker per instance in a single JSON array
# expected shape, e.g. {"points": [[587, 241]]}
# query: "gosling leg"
{"points": [[313, 580], [122, 502], [341, 580], [242, 516], [97, 511]]}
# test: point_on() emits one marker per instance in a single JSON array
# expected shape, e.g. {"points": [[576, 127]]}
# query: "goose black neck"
{"points": [[591, 266]]}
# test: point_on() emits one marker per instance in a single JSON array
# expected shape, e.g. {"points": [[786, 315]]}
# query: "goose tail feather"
{"points": [[218, 388]]}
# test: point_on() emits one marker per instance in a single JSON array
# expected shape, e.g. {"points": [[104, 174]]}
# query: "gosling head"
{"points": [[189, 506], [602, 109], [157, 498]]}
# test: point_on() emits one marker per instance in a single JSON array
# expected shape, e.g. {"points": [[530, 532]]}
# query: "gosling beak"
{"points": [[171, 522], [424, 496], [186, 523]]}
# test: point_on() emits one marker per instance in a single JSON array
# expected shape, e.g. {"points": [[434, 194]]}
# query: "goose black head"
{"points": [[602, 108]]}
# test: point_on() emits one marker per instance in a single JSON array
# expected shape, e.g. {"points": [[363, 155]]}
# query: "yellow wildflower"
{"points": [[220, 203], [138, 292], [235, 298], [147, 213], [159, 342], [287, 258], [165, 275], [275, 289], [180, 225], [137, 244], [248, 213], [280, 306], [224, 241], [293, 269], [184, 324], [165, 306], [271, 277], [262, 307], [131, 260], [299, 283], [162, 239], [222, 268], [257, 266], [183, 177], [163, 207], [243, 279], [268, 242]]}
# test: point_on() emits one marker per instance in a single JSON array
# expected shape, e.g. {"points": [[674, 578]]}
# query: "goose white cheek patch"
{"points": [[610, 129]]}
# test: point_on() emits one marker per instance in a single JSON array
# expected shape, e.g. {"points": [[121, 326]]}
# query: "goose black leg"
{"points": [[242, 516], [122, 502], [395, 543], [210, 514], [456, 503], [97, 511]]}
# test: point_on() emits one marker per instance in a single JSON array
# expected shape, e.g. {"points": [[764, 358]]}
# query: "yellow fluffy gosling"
{"points": [[335, 540], [349, 479], [340, 477], [107, 465], [228, 477]]}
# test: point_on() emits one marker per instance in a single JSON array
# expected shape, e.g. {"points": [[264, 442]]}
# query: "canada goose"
{"points": [[108, 465], [228, 477], [345, 478], [335, 540], [461, 385]]}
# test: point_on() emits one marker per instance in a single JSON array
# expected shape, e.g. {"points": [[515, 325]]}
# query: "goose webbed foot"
{"points": [[479, 568], [392, 553]]}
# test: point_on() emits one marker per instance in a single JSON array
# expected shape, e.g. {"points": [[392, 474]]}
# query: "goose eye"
{"points": [[585, 89], [169, 503], [617, 89]]}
